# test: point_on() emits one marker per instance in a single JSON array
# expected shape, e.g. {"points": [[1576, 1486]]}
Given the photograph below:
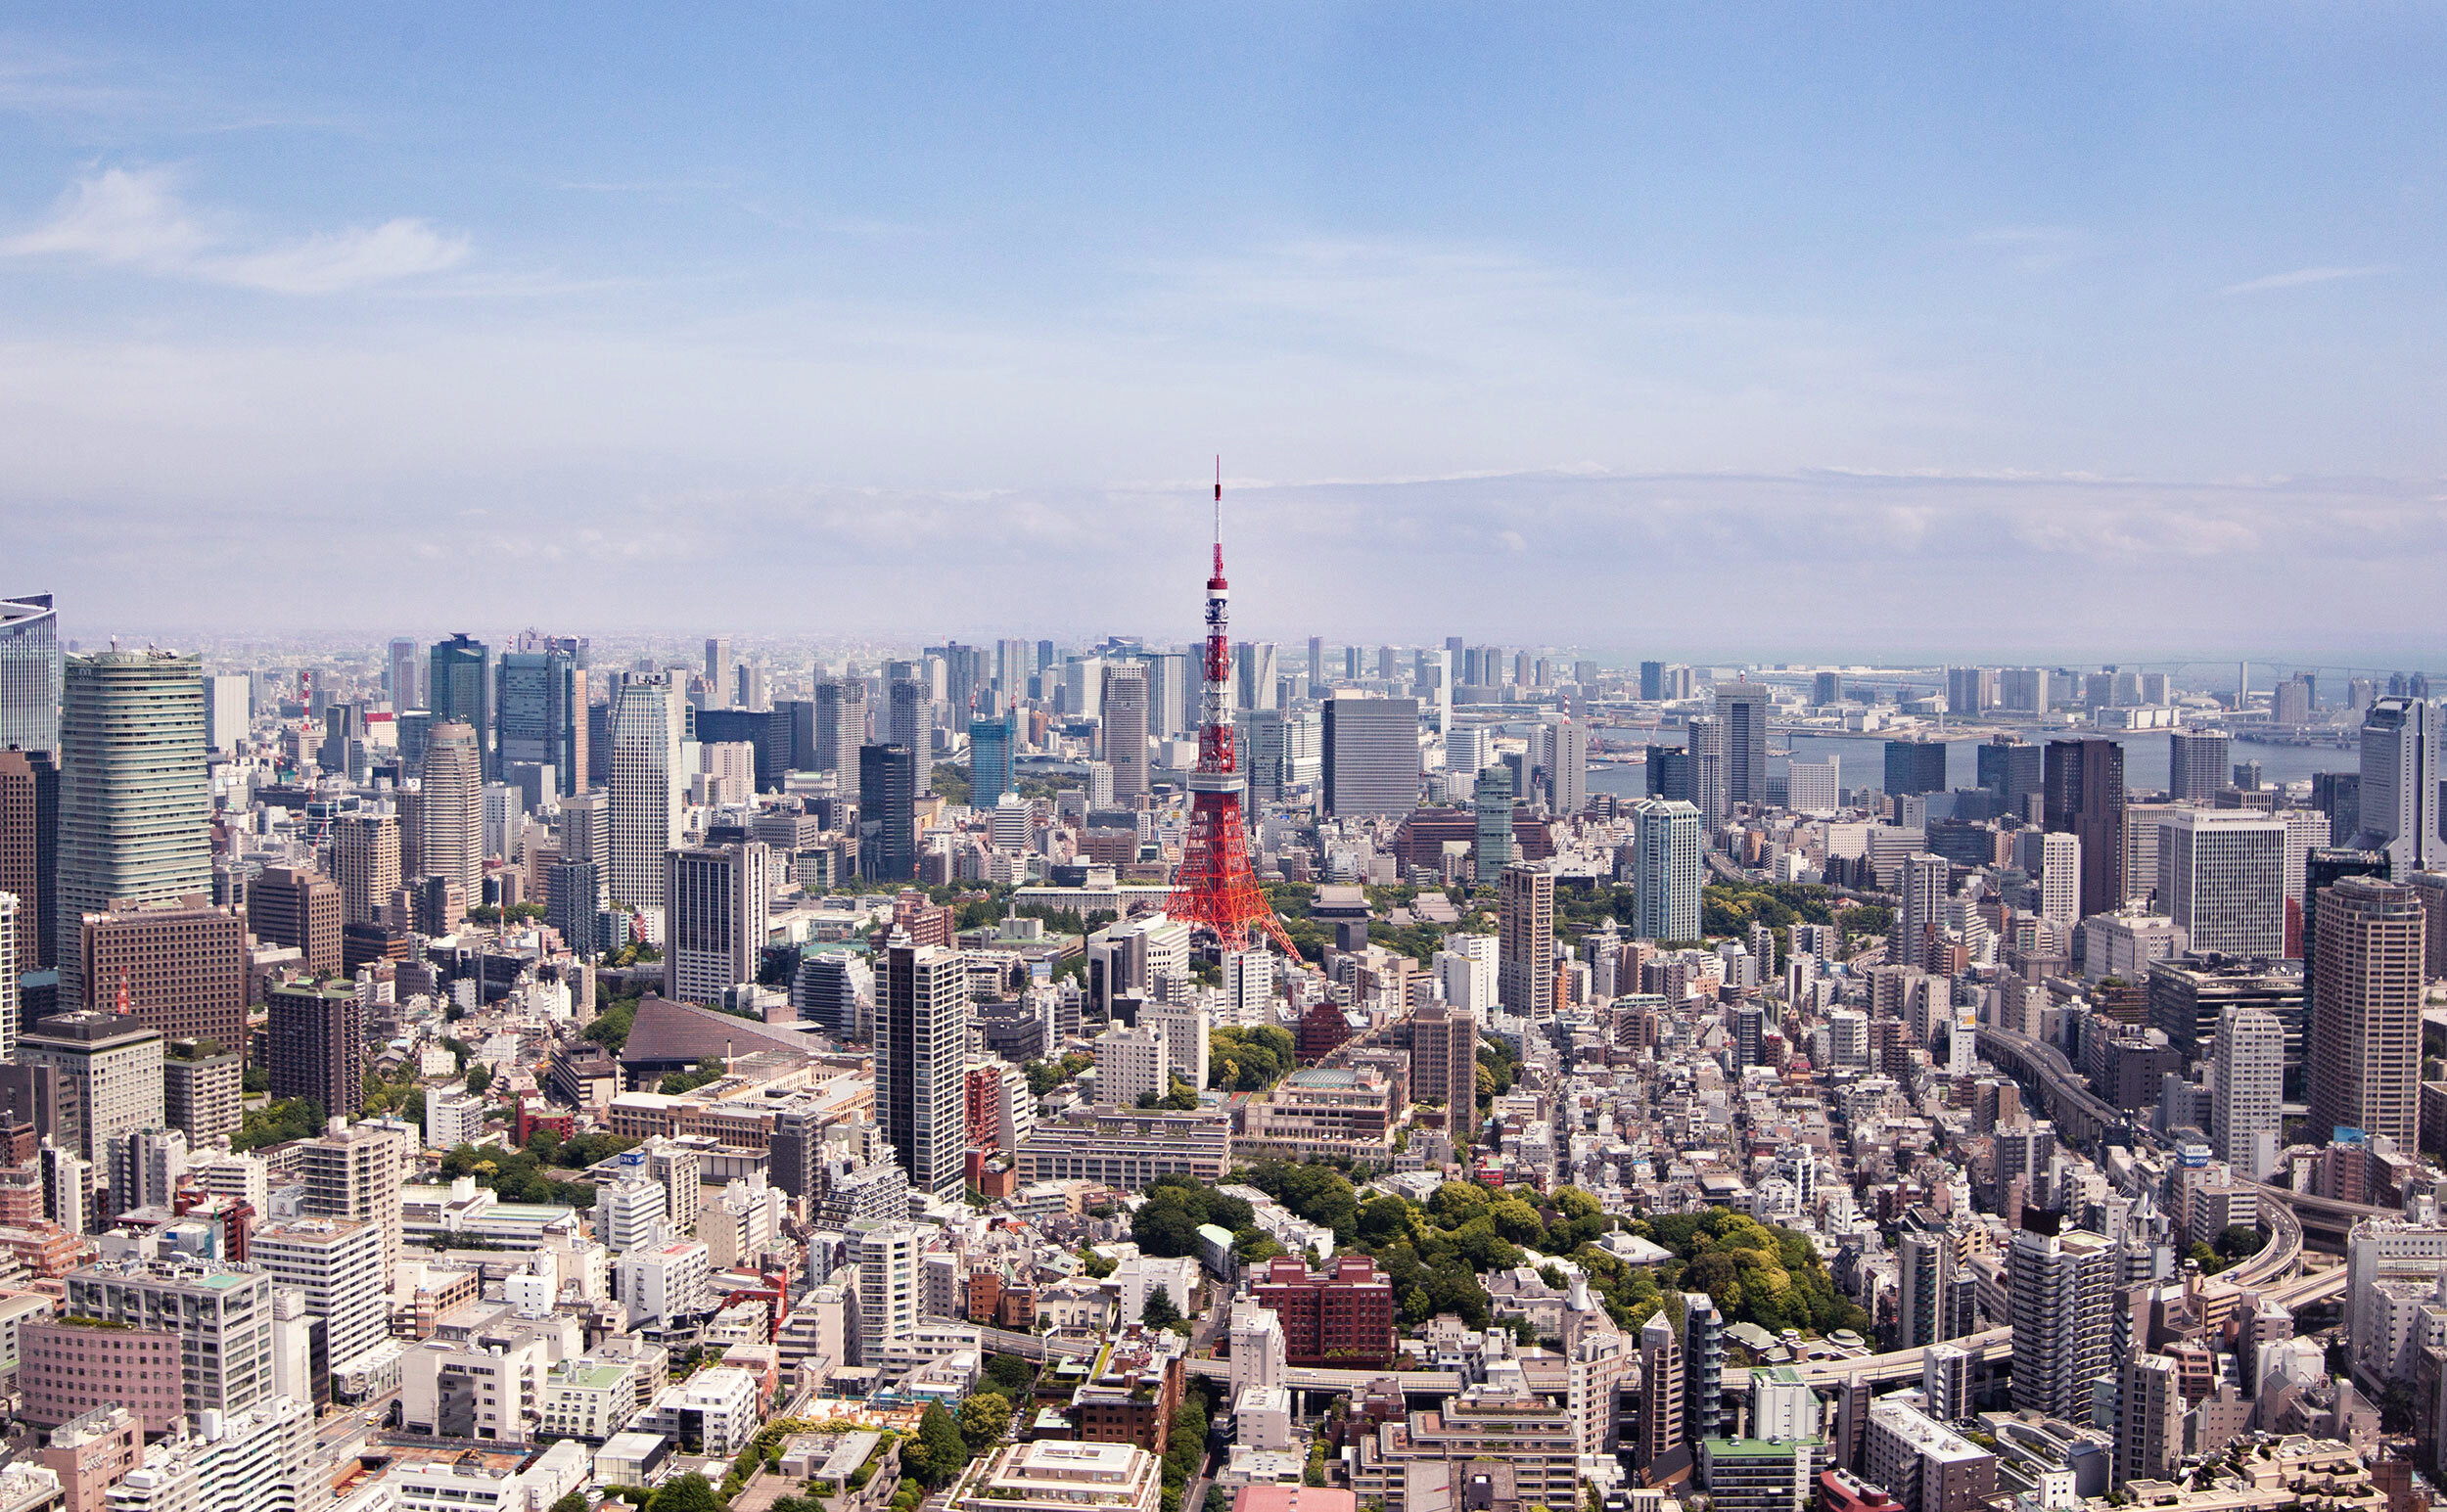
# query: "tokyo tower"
{"points": [[1215, 888]]}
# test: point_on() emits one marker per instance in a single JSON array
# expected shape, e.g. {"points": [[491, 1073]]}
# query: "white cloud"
{"points": [[134, 219], [2301, 276]]}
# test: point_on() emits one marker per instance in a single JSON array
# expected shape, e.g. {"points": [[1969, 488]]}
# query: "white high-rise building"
{"points": [[2061, 878], [1564, 753], [887, 1256], [450, 809], [1248, 988], [1130, 1064], [1667, 869], [660, 1282], [1814, 787], [1925, 883], [1467, 970], [629, 1211], [454, 1117], [2061, 1288], [1184, 1025], [227, 699], [717, 911], [646, 728], [338, 1262], [2222, 879], [2247, 1077], [2399, 792], [921, 1055]]}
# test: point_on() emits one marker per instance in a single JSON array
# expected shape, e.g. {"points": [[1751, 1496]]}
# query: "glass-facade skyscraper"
{"points": [[541, 714], [459, 686], [990, 742], [29, 674], [135, 805]]}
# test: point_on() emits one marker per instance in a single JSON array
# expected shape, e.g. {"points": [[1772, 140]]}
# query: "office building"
{"points": [[297, 906], [2061, 879], [2399, 787], [1761, 1474], [1814, 788], [1125, 705], [645, 787], [840, 730], [1490, 800], [30, 672], [112, 1065], [220, 1314], [1710, 787], [2247, 1086], [1970, 690], [355, 1172], [2062, 1290], [338, 1264], [540, 703], [2084, 796], [1444, 1060], [1371, 756], [1130, 1065], [888, 789], [180, 967], [30, 852], [1921, 923], [921, 1051], [201, 1090], [365, 863], [1741, 708], [1667, 870], [2366, 1012], [459, 689], [316, 1035], [135, 804], [2199, 765], [2222, 880], [1914, 766], [991, 744], [228, 707], [2011, 772], [717, 905], [912, 727], [450, 810], [1563, 756], [1525, 973], [1254, 663]]}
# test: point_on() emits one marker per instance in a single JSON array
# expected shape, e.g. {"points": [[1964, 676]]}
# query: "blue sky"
{"points": [[1701, 330]]}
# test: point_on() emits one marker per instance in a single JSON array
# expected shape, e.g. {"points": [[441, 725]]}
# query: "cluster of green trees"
{"points": [[1499, 1067], [549, 1148], [1166, 1224], [1248, 1060], [2234, 1243], [636, 953], [1319, 1194], [402, 1095], [1731, 907], [518, 1175], [951, 784], [519, 913], [1435, 1255], [288, 1118], [610, 1028], [1044, 1076], [938, 1451], [1755, 1272], [1187, 1449], [676, 1082], [1180, 1097]]}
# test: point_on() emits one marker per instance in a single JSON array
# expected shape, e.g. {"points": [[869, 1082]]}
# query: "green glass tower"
{"points": [[135, 804]]}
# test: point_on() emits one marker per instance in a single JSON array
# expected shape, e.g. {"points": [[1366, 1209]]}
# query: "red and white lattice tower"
{"points": [[1215, 888]]}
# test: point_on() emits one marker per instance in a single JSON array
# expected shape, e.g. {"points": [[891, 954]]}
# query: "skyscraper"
{"points": [[718, 671], [228, 712], [2399, 787], [2011, 772], [1564, 754], [992, 741], [1490, 798], [887, 813], [1661, 1390], [1667, 868], [1254, 662], [450, 810], [1922, 920], [2366, 1012], [913, 729], [459, 686], [2221, 877], [297, 905], [1371, 756], [840, 730], [1525, 968], [400, 675], [315, 1032], [30, 850], [30, 672], [2062, 1290], [541, 701], [2084, 796], [1710, 790], [921, 1052], [1742, 708], [1914, 766], [645, 794], [181, 967], [134, 801], [2247, 1075], [2199, 765], [2061, 878], [366, 862], [1124, 705], [717, 903]]}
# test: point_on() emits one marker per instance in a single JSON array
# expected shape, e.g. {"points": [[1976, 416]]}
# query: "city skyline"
{"points": [[1749, 307]]}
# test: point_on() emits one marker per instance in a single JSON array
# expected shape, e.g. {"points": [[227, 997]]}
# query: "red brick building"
{"points": [[1342, 1320]]}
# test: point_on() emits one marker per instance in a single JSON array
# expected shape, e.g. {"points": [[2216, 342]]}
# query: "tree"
{"points": [[939, 1451], [479, 1077], [690, 1493], [1159, 1312], [574, 1502], [984, 1419], [1218, 1501]]}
